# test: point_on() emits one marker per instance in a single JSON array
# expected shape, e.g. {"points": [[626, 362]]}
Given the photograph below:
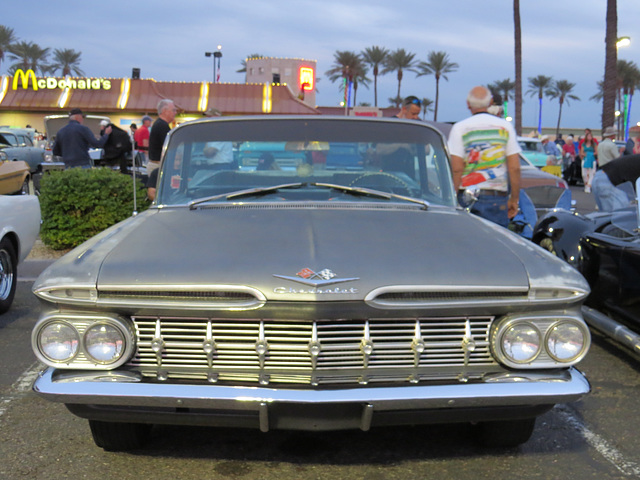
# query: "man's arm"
{"points": [[457, 169], [513, 167]]}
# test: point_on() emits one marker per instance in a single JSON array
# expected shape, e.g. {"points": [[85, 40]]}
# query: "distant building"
{"points": [[296, 73]]}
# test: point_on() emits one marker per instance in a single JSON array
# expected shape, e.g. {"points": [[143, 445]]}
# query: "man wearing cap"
{"points": [[141, 138], [485, 156], [607, 150], [74, 139], [551, 149]]}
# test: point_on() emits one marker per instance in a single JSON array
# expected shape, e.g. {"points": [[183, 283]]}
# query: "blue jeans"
{"points": [[608, 197], [493, 208]]}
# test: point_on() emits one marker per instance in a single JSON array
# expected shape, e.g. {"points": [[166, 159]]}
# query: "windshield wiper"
{"points": [[361, 191], [245, 193]]}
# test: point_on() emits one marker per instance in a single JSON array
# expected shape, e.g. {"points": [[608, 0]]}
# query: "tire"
{"points": [[8, 274], [116, 437], [505, 433]]}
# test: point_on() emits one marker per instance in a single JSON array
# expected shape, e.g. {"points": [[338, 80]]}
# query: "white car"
{"points": [[19, 228]]}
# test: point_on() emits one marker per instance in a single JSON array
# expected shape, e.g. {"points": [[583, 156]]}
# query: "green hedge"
{"points": [[78, 203]]}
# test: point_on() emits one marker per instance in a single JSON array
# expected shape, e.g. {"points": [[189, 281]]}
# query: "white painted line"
{"points": [[20, 387], [602, 446]]}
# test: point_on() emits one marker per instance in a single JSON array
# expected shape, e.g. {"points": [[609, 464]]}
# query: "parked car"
{"points": [[15, 177], [309, 298], [533, 150], [19, 228], [53, 123], [605, 248], [16, 144]]}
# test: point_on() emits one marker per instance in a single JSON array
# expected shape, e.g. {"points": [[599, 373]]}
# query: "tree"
{"points": [[518, 61], [611, 57], [561, 90], [244, 62], [29, 55], [399, 60], [347, 65], [375, 58], [437, 64], [540, 86], [67, 61], [395, 101], [628, 76], [426, 107], [7, 39]]}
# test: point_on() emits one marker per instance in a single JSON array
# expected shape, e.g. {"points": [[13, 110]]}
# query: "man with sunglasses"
{"points": [[485, 156], [411, 108]]}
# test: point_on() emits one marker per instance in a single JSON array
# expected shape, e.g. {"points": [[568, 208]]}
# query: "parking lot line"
{"points": [[20, 387]]}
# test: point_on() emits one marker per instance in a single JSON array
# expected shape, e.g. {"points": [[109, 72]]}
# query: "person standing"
{"points": [[607, 149], [411, 108], [117, 148], [485, 153], [166, 115], [588, 152], [141, 138], [616, 172], [74, 139]]}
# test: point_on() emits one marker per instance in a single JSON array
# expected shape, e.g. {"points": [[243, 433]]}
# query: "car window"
{"points": [[215, 158], [11, 139], [25, 140], [530, 146]]}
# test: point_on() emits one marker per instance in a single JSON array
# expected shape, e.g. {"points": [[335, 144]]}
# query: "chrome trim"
{"points": [[533, 388], [466, 295], [140, 296], [81, 323]]}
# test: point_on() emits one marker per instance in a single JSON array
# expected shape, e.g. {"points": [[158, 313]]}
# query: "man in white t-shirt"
{"points": [[484, 154]]}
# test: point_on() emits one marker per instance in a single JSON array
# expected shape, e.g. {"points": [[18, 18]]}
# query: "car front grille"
{"points": [[313, 353]]}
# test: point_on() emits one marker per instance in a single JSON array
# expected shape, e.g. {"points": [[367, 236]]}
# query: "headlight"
{"points": [[565, 341], [104, 343], [521, 342], [59, 341]]}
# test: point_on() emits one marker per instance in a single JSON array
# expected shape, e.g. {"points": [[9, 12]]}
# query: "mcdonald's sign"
{"points": [[50, 83], [25, 79]]}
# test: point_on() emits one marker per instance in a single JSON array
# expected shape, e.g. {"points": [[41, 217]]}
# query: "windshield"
{"points": [[530, 146], [216, 158]]}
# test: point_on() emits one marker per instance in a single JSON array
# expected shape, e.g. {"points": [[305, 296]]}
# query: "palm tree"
{"points": [[29, 55], [561, 90], [395, 101], [375, 57], [244, 62], [347, 66], [597, 97], [360, 78], [518, 61], [611, 57], [7, 38], [439, 65], [426, 107], [399, 60], [540, 86], [67, 61], [628, 79], [504, 88]]}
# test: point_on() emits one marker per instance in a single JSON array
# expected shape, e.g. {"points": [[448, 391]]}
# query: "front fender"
{"points": [[560, 231]]}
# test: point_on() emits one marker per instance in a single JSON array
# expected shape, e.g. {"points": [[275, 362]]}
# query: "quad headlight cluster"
{"points": [[540, 341], [83, 342]]}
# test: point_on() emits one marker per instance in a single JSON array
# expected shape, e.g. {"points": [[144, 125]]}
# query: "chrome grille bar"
{"points": [[321, 352]]}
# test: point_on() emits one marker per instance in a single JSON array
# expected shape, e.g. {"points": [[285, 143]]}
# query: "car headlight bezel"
{"points": [[73, 337], [547, 325], [89, 348], [521, 325], [82, 324]]}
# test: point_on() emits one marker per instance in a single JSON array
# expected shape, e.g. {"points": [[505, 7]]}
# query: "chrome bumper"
{"points": [[110, 394]]}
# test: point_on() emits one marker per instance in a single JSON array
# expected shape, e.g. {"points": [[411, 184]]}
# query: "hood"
{"points": [[53, 123], [345, 253]]}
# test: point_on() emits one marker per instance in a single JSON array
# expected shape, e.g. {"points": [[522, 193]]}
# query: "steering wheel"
{"points": [[383, 179]]}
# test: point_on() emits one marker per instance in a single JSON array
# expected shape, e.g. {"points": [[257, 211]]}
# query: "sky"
{"points": [[563, 39]]}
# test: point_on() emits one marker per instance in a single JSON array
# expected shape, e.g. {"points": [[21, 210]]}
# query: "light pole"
{"points": [[622, 42], [216, 55]]}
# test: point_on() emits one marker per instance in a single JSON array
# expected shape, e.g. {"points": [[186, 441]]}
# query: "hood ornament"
{"points": [[306, 276]]}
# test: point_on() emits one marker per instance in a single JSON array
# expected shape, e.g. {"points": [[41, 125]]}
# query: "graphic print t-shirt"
{"points": [[484, 141]]}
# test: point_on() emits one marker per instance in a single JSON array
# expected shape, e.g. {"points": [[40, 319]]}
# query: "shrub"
{"points": [[77, 204]]}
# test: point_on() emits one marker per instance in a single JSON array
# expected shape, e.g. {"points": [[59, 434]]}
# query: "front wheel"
{"points": [[116, 437], [505, 433], [8, 274]]}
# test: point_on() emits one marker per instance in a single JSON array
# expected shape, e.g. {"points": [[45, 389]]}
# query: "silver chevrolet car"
{"points": [[309, 273]]}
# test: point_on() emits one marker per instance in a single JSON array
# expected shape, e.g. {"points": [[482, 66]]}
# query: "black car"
{"points": [[605, 248]]}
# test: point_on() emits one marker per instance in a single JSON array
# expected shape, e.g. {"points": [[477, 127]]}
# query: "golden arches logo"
{"points": [[25, 79]]}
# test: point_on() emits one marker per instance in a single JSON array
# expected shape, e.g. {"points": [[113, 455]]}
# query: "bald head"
{"points": [[479, 99]]}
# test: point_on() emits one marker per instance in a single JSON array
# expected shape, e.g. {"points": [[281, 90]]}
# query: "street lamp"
{"points": [[217, 54], [623, 42]]}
